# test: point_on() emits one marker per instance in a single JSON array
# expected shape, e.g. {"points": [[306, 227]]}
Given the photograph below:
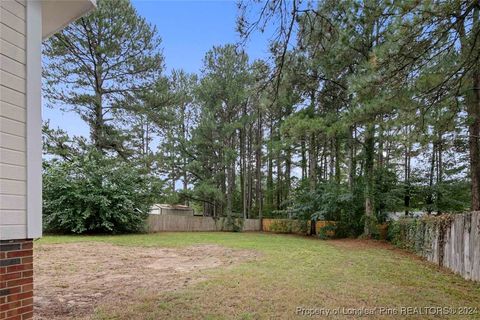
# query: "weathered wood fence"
{"points": [[452, 241], [158, 223]]}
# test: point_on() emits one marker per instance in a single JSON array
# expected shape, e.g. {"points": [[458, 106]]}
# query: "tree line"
{"points": [[363, 108]]}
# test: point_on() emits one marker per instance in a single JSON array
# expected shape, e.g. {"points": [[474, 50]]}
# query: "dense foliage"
{"points": [[93, 193], [420, 235], [365, 108], [97, 68]]}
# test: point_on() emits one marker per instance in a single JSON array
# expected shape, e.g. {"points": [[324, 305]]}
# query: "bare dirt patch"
{"points": [[72, 279]]}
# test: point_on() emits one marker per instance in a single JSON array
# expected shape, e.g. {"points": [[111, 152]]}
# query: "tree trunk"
{"points": [[473, 105], [288, 169], [223, 177], [312, 150], [312, 163], [473, 110], [98, 125], [332, 160], [185, 159], [304, 158], [472, 101], [325, 162], [249, 171], [380, 144], [243, 180], [279, 188], [407, 170], [429, 200], [312, 174], [148, 163], [439, 168], [230, 176], [258, 165], [174, 176], [369, 176], [337, 160], [351, 159], [270, 170]]}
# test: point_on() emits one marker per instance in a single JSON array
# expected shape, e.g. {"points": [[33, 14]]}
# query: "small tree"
{"points": [[92, 66], [93, 193]]}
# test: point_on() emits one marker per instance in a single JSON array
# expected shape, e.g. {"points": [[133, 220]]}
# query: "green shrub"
{"points": [[92, 193], [399, 232], [234, 224], [333, 202], [289, 226], [281, 226], [327, 232], [417, 235]]}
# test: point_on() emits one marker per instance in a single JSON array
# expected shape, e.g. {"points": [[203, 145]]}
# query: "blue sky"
{"points": [[188, 30]]}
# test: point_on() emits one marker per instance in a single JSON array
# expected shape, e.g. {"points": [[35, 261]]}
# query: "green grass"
{"points": [[293, 272]]}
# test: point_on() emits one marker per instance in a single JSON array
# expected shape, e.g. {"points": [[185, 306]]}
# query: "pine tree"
{"points": [[93, 65]]}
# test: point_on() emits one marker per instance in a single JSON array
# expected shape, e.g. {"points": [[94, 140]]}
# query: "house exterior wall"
{"points": [[16, 279], [20, 85], [21, 36], [13, 120], [20, 119]]}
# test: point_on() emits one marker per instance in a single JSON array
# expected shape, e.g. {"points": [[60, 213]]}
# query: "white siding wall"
{"points": [[13, 170]]}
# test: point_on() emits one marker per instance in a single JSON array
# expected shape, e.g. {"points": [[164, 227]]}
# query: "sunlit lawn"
{"points": [[294, 272]]}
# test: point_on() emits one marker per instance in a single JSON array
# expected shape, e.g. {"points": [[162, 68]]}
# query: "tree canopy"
{"points": [[364, 108]]}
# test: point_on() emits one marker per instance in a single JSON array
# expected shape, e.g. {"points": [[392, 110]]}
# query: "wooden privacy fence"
{"points": [[168, 222], [452, 241], [296, 226], [158, 223]]}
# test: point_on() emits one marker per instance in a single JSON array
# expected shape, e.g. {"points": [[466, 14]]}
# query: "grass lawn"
{"points": [[292, 272]]}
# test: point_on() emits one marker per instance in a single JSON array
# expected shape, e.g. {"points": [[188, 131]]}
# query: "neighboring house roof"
{"points": [[57, 14], [171, 206]]}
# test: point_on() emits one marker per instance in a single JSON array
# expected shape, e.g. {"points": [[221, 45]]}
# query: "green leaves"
{"points": [[92, 193], [97, 64]]}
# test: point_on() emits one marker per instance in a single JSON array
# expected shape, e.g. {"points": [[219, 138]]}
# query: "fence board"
{"points": [[158, 223], [459, 250]]}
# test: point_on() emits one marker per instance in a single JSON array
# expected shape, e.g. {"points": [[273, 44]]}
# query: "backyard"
{"points": [[277, 159], [239, 276]]}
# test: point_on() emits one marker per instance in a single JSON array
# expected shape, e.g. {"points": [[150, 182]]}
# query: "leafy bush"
{"points": [[234, 224], [289, 226], [327, 232], [339, 202], [333, 202], [418, 235], [408, 233], [92, 193], [281, 226]]}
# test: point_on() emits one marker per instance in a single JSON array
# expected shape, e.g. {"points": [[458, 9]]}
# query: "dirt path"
{"points": [[72, 279]]}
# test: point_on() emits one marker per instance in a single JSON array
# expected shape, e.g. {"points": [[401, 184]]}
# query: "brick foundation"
{"points": [[16, 279]]}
